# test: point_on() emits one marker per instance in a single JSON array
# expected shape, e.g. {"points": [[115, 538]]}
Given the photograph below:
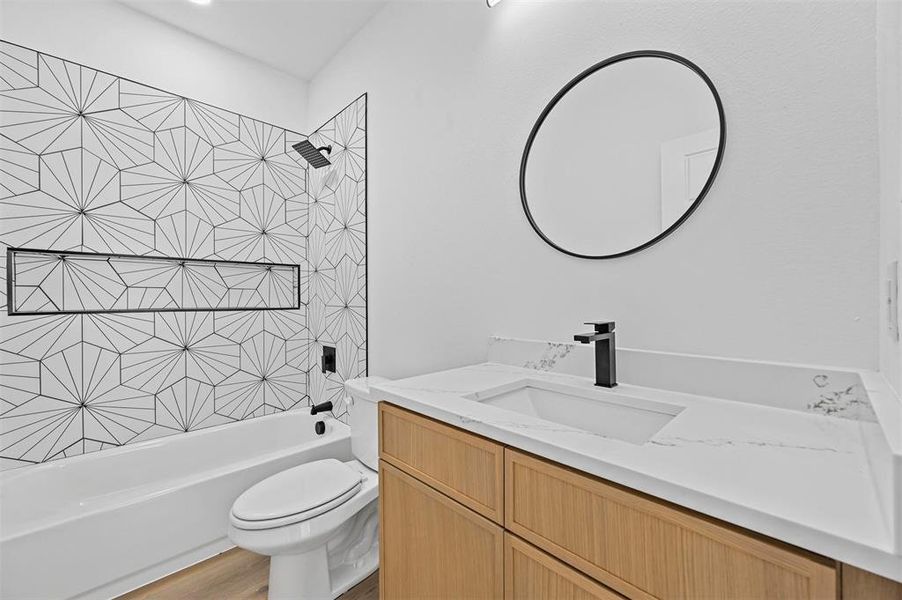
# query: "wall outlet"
{"points": [[892, 300], [328, 362]]}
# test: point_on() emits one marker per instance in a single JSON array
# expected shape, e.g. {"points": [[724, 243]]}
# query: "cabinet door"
{"points": [[645, 548], [466, 467], [433, 547], [861, 585], [530, 574]]}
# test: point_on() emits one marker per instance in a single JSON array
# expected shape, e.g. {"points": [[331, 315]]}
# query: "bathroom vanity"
{"points": [[483, 498]]}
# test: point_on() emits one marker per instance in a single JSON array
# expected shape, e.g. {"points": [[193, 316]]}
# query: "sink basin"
{"points": [[600, 412]]}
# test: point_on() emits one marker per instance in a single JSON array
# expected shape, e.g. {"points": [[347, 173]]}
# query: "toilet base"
{"points": [[300, 576], [329, 570]]}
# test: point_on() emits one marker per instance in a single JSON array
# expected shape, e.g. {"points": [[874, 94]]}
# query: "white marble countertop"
{"points": [[801, 478]]}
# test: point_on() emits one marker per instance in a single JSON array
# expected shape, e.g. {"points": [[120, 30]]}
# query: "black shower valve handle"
{"points": [[327, 363]]}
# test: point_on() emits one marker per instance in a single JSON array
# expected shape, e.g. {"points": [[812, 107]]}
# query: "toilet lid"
{"points": [[304, 492]]}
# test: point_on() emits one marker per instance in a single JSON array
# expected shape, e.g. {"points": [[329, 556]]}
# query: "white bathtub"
{"points": [[101, 524]]}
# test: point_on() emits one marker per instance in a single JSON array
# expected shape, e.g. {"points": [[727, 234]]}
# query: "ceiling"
{"points": [[295, 36]]}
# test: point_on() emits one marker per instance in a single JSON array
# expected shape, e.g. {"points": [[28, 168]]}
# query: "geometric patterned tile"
{"points": [[81, 399], [19, 172], [257, 156], [187, 405], [47, 282], [335, 282], [261, 232], [93, 163], [153, 108], [19, 67]]}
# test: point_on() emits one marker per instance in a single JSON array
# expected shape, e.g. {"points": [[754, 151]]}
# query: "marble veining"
{"points": [[550, 356], [846, 401], [717, 442], [759, 466], [838, 394]]}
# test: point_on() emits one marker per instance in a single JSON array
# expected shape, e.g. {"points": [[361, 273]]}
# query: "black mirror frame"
{"points": [[573, 82]]}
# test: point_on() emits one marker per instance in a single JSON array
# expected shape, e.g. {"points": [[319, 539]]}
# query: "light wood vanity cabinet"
{"points": [[434, 547], [530, 573], [462, 516], [861, 585], [463, 466], [644, 548]]}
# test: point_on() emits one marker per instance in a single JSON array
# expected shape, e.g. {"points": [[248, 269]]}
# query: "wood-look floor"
{"points": [[233, 575]]}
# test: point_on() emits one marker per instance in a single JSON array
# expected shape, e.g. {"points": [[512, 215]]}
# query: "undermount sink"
{"points": [[600, 412]]}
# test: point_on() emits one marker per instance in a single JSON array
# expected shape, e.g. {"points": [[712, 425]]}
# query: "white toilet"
{"points": [[318, 521]]}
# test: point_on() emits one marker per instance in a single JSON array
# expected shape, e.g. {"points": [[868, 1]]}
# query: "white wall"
{"points": [[889, 103], [112, 37], [780, 262]]}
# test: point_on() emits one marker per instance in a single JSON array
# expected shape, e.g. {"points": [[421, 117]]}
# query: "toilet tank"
{"points": [[363, 418]]}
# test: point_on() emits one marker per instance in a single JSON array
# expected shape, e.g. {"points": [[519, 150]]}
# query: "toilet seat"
{"points": [[319, 522], [295, 495]]}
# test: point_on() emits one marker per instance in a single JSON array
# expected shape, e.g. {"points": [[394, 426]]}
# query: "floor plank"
{"points": [[233, 575]]}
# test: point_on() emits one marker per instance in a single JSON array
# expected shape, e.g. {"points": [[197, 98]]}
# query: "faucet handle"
{"points": [[602, 326]]}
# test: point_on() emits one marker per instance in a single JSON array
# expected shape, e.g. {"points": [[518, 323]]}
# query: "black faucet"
{"points": [[605, 352], [321, 407]]}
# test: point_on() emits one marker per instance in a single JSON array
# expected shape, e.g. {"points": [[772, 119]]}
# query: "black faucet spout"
{"points": [[605, 352], [588, 338]]}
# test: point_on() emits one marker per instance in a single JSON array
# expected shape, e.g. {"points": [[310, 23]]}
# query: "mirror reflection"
{"points": [[621, 155]]}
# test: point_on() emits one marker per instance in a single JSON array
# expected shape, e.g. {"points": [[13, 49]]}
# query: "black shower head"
{"points": [[312, 154]]}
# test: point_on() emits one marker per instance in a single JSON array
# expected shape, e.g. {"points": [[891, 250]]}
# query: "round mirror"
{"points": [[622, 155]]}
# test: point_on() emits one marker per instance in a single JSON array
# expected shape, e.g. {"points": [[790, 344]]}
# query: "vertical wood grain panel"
{"points": [[431, 547], [530, 574], [861, 585], [466, 467], [648, 549]]}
